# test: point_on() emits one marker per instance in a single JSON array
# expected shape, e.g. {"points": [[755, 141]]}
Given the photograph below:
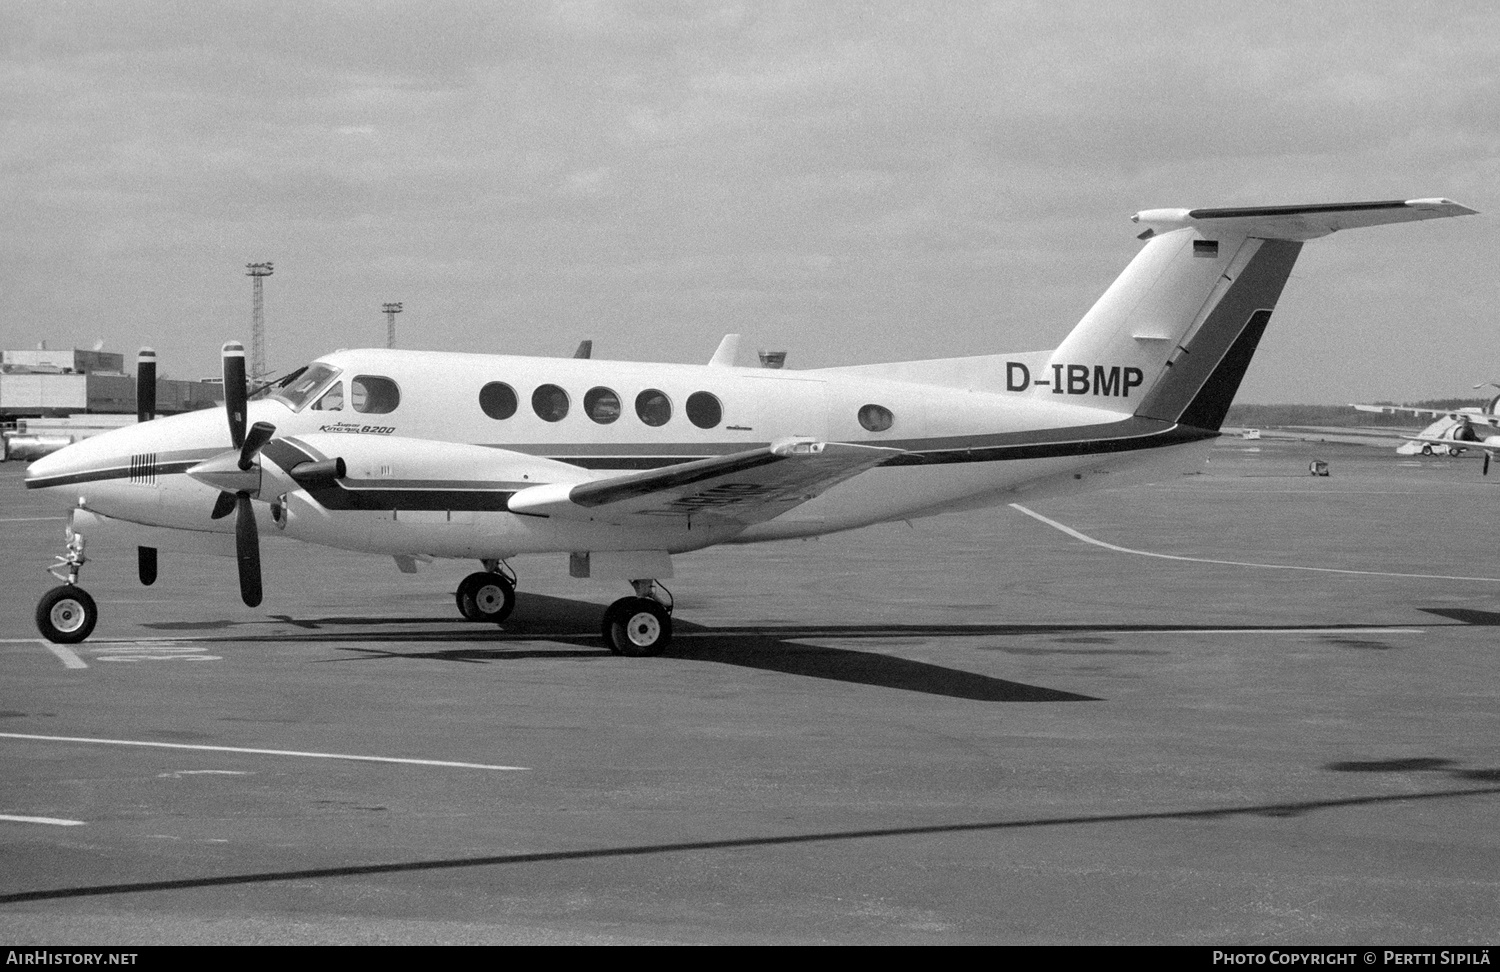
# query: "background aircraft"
{"points": [[1452, 431], [620, 465]]}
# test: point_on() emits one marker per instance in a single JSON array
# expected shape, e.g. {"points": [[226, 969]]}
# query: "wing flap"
{"points": [[743, 487]]}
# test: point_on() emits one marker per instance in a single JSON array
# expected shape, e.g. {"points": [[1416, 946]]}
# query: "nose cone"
{"points": [[93, 458], [154, 447], [47, 467]]}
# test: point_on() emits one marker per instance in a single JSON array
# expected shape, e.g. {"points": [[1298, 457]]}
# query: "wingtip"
{"points": [[1446, 206]]}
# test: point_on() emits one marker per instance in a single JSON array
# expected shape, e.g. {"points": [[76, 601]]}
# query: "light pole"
{"points": [[391, 310], [256, 272]]}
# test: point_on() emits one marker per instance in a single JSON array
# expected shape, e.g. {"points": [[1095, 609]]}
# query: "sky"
{"points": [[849, 182]]}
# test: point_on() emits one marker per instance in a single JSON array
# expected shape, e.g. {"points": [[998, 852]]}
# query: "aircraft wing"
{"points": [[744, 487], [1472, 414]]}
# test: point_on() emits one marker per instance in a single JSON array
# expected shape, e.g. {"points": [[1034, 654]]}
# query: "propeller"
{"points": [[237, 474], [145, 385], [145, 411]]}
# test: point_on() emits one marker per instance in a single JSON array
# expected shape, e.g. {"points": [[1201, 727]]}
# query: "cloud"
{"points": [[859, 181]]}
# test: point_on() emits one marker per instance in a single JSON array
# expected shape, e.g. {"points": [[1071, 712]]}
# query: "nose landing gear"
{"points": [[66, 615], [640, 626]]}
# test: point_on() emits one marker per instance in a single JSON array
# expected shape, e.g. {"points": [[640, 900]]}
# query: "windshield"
{"points": [[299, 388]]}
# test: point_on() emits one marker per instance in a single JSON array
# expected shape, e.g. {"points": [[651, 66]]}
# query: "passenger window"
{"points": [[498, 400], [654, 407], [704, 410], [550, 403], [875, 418], [374, 395], [332, 400], [602, 405]]}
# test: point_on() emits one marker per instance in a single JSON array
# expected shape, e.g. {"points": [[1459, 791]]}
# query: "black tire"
{"points": [[638, 627], [1427, 450], [486, 597], [66, 615]]}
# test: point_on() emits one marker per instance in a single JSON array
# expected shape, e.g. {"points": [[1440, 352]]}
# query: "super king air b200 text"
{"points": [[620, 465]]}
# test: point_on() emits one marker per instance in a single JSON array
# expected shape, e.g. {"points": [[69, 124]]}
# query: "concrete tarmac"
{"points": [[1249, 706]]}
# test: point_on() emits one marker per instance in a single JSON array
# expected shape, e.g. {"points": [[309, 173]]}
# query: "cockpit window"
{"points": [[268, 388], [303, 386], [332, 400], [374, 395]]}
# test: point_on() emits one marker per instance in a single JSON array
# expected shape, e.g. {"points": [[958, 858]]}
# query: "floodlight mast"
{"points": [[391, 310], [256, 272]]}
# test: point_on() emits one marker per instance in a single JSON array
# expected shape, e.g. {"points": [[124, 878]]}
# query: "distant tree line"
{"points": [[1274, 416]]}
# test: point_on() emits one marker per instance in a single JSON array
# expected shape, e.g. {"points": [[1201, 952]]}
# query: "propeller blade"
{"points": [[247, 550], [1486, 464], [223, 506], [145, 559], [145, 385], [235, 392], [260, 433]]}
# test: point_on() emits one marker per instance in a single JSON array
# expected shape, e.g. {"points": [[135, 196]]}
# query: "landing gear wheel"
{"points": [[486, 597], [1427, 450], [637, 627], [66, 615]]}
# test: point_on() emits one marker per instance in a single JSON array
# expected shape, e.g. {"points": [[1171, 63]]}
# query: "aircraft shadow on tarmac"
{"points": [[1417, 764], [1468, 616], [777, 648], [571, 622]]}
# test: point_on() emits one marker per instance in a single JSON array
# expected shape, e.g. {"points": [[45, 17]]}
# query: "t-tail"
{"points": [[1172, 337]]}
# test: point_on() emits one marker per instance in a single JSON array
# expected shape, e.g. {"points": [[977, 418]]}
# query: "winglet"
{"points": [[729, 350]]}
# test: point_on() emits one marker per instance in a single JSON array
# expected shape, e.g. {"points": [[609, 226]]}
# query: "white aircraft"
{"points": [[1453, 432], [620, 465]]}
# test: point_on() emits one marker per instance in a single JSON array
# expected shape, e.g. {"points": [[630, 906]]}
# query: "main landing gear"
{"points": [[641, 625], [66, 615], [636, 626], [489, 595]]}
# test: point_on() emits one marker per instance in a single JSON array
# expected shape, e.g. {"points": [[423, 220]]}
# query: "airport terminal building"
{"points": [[49, 398]]}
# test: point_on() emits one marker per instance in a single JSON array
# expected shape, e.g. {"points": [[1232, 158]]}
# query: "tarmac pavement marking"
{"points": [[1238, 563], [54, 821], [63, 652], [261, 752]]}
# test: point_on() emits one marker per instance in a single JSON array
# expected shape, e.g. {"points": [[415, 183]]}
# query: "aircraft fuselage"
{"points": [[968, 444]]}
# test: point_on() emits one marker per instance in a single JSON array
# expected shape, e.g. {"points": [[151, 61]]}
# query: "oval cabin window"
{"points": [[498, 400], [704, 410], [550, 403], [875, 418], [374, 395], [654, 407], [602, 405]]}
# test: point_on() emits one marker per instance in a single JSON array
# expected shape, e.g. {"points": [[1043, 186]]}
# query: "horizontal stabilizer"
{"points": [[1474, 414], [1296, 222]]}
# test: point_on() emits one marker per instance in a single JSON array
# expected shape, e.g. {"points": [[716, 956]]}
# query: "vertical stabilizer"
{"points": [[1173, 335]]}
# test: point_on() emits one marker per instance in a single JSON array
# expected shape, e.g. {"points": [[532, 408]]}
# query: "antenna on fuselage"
{"points": [[585, 350]]}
